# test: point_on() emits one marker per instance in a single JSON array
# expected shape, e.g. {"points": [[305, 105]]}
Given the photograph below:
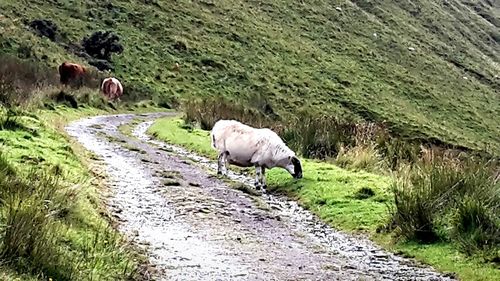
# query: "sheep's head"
{"points": [[294, 167]]}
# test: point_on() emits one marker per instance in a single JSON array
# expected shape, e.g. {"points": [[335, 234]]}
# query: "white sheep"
{"points": [[244, 146]]}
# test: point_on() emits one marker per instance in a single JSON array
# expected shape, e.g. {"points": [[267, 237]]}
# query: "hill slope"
{"points": [[428, 68]]}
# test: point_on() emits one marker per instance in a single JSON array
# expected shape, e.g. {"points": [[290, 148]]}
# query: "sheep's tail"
{"points": [[215, 128]]}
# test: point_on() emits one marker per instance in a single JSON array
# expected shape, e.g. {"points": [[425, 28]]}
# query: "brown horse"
{"points": [[71, 73]]}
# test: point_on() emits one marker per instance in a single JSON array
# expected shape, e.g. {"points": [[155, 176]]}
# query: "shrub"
{"points": [[102, 44], [20, 79]]}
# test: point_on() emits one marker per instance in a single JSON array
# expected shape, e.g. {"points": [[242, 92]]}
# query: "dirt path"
{"points": [[196, 227]]}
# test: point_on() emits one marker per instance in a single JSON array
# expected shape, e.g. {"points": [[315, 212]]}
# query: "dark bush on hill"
{"points": [[102, 44], [46, 28]]}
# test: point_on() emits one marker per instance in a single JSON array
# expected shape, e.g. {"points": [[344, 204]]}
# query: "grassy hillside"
{"points": [[426, 68]]}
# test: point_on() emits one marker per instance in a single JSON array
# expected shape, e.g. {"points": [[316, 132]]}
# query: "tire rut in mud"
{"points": [[196, 227]]}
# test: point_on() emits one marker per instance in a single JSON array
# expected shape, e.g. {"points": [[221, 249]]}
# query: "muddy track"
{"points": [[197, 227]]}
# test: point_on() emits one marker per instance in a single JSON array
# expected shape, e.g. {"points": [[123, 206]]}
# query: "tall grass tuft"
{"points": [[6, 168], [362, 157], [444, 197], [9, 121], [397, 151], [29, 231], [206, 112], [476, 226], [415, 206]]}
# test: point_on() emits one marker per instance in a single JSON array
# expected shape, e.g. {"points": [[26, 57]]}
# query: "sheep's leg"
{"points": [[221, 164], [263, 178], [258, 177], [224, 163]]}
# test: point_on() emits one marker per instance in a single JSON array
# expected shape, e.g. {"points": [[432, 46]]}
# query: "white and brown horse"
{"points": [[112, 88]]}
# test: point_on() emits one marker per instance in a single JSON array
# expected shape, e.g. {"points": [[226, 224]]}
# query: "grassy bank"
{"points": [[54, 223], [75, 239], [351, 201]]}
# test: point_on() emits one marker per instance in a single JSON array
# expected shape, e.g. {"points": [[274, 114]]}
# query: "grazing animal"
{"points": [[71, 72], [112, 88], [244, 146]]}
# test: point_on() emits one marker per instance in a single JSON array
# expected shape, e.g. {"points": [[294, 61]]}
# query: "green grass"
{"points": [[168, 129], [330, 192], [295, 56], [78, 244], [333, 194], [446, 258]]}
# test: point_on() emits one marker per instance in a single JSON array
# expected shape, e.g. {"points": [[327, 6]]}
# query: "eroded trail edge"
{"points": [[196, 227]]}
